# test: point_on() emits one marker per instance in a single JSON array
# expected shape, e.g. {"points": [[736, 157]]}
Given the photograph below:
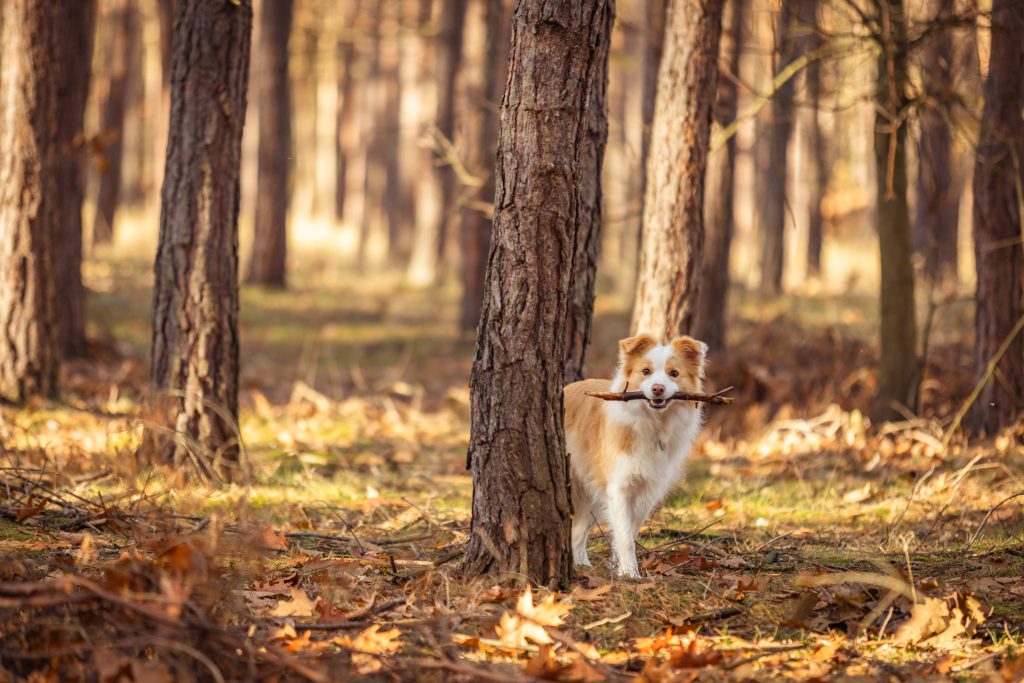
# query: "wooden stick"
{"points": [[716, 399]]}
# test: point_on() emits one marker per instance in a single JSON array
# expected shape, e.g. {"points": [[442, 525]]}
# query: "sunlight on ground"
{"points": [[355, 421]]}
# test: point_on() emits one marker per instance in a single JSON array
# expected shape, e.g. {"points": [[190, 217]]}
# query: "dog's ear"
{"points": [[691, 349], [632, 346]]}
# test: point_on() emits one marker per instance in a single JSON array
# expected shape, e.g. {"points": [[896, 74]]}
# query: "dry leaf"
{"points": [[299, 606]]}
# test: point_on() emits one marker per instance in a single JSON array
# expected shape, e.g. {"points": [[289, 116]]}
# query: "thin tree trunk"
{"points": [[165, 16], [195, 297], [654, 18], [673, 228], [898, 380], [29, 187], [709, 322], [476, 218], [273, 93], [77, 34], [521, 502], [348, 111], [998, 179], [124, 36], [390, 147], [938, 199], [449, 57], [779, 127], [818, 164]]}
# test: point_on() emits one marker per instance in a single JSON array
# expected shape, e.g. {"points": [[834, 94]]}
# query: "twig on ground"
{"points": [[987, 515]]}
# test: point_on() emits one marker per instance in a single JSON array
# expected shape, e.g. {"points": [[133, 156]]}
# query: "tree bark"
{"points": [[673, 225], [898, 380], [348, 110], [588, 240], [521, 502], [999, 297], [123, 37], [29, 188], [654, 18], [938, 198], [449, 57], [778, 127], [77, 34], [273, 93], [818, 165], [195, 297], [709, 318], [476, 219]]}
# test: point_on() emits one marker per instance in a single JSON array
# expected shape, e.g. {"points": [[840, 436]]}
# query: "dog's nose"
{"points": [[658, 389]]}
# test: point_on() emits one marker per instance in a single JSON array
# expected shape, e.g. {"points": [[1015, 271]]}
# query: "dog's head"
{"points": [[660, 370]]}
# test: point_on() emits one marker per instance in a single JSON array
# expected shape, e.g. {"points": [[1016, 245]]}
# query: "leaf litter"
{"points": [[806, 544]]}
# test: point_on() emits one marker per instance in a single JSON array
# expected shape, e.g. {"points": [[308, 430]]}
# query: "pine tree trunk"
{"points": [[709, 318], [77, 33], [348, 111], [778, 128], [898, 374], [476, 221], [449, 56], [29, 188], [273, 93], [818, 164], [588, 237], [195, 298], [938, 200], [521, 503], [122, 35], [654, 18], [673, 227], [998, 179]]}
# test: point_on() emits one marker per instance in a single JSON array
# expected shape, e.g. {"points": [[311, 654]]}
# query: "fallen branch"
{"points": [[716, 399]]}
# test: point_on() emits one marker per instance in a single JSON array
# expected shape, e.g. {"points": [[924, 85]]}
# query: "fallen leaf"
{"points": [[299, 606], [858, 495]]}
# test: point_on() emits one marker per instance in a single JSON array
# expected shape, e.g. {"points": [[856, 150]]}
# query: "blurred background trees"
{"points": [[860, 150]]}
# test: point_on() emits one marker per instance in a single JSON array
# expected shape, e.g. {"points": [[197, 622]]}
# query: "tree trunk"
{"points": [[273, 92], [521, 502], [818, 164], [449, 57], [348, 111], [389, 118], [654, 18], [165, 10], [29, 188], [709, 318], [673, 227], [998, 179], [195, 297], [898, 380], [77, 32], [778, 128], [588, 236], [938, 199], [476, 215], [123, 36]]}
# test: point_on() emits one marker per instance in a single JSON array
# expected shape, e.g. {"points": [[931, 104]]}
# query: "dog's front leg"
{"points": [[623, 526]]}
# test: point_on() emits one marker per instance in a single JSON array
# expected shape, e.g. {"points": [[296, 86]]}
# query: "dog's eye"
{"points": [[645, 371], [674, 373]]}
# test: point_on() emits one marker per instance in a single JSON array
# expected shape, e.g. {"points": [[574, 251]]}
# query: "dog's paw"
{"points": [[631, 572]]}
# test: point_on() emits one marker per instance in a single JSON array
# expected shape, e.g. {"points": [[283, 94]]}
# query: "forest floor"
{"points": [[805, 543]]}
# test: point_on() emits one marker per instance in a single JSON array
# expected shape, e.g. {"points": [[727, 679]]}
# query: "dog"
{"points": [[625, 456]]}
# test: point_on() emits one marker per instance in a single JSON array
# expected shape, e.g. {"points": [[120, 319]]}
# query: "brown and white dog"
{"points": [[625, 456]]}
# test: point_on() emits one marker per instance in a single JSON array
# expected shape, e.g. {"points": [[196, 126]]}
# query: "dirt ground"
{"points": [[805, 543]]}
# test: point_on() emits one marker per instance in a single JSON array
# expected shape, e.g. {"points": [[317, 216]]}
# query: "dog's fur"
{"points": [[625, 456]]}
